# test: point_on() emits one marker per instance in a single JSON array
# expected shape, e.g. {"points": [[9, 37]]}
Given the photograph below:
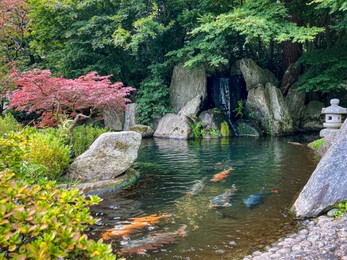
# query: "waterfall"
{"points": [[224, 92]]}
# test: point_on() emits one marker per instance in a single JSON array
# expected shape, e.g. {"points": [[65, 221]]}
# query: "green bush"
{"points": [[49, 151], [83, 136], [8, 124], [342, 209], [45, 222], [13, 147]]}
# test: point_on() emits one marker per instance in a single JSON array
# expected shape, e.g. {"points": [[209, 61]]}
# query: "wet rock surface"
{"points": [[321, 238]]}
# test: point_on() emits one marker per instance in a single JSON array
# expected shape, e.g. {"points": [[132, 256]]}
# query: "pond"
{"points": [[267, 171]]}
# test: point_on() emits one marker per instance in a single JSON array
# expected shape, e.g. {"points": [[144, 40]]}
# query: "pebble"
{"points": [[322, 238]]}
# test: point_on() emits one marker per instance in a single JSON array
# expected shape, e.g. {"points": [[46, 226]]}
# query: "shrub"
{"points": [[342, 209], [49, 151], [13, 147], [45, 222], [83, 136], [8, 124]]}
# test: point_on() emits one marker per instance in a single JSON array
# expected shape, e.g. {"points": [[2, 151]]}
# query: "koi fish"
{"points": [[220, 176], [135, 226], [151, 219], [152, 242], [197, 187], [254, 199], [223, 200], [295, 143]]}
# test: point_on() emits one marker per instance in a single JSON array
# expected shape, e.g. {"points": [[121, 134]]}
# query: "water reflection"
{"points": [[170, 169]]}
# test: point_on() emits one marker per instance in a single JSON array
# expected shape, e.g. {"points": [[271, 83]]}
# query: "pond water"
{"points": [[269, 167]]}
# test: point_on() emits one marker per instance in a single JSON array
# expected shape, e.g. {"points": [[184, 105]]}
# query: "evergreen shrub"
{"points": [[41, 221]]}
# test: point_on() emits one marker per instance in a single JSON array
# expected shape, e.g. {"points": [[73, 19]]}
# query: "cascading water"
{"points": [[224, 92]]}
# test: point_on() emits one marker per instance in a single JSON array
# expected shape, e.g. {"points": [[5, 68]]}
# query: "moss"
{"points": [[316, 144], [139, 129], [120, 146], [225, 131]]}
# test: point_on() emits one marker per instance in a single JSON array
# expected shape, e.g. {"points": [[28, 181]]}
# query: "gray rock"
{"points": [[192, 107], [214, 119], [114, 119], [295, 101], [173, 126], [268, 108], [144, 130], [186, 84], [130, 116], [253, 74], [291, 75], [247, 128], [110, 155], [328, 132], [312, 118], [327, 183]]}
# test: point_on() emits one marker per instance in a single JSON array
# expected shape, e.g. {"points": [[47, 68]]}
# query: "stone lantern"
{"points": [[333, 117]]}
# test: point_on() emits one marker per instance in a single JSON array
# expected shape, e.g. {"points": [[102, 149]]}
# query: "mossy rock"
{"points": [[247, 128], [144, 130], [214, 120]]}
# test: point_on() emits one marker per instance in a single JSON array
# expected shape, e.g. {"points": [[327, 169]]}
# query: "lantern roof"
{"points": [[334, 108]]}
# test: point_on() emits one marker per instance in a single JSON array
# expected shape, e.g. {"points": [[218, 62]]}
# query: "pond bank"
{"points": [[320, 238]]}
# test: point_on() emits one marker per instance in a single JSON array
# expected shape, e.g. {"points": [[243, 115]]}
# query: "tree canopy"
{"points": [[140, 41]]}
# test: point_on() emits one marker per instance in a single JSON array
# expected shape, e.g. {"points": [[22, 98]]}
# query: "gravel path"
{"points": [[321, 238]]}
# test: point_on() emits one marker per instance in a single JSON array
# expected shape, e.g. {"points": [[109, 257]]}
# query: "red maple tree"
{"points": [[80, 98]]}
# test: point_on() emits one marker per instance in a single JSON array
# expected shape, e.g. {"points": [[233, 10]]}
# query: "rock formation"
{"points": [[327, 184], [110, 155], [186, 85], [173, 126]]}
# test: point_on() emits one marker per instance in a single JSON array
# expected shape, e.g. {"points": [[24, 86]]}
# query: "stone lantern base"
{"points": [[328, 132]]}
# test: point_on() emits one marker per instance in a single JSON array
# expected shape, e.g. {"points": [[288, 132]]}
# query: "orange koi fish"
{"points": [[151, 219], [135, 226], [222, 175], [152, 242]]}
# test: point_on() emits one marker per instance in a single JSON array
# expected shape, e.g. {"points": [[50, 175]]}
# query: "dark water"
{"points": [[170, 168]]}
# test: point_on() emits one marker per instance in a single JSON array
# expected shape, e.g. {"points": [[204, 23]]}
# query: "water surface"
{"points": [[170, 168]]}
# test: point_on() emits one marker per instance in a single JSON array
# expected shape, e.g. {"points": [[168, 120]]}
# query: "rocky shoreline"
{"points": [[320, 238]]}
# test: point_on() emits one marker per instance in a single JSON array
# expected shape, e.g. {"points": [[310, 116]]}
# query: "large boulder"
{"points": [[312, 118], [130, 116], [173, 126], [267, 107], [295, 101], [186, 84], [327, 184], [114, 119], [192, 107], [253, 74], [213, 120], [110, 155], [291, 75]]}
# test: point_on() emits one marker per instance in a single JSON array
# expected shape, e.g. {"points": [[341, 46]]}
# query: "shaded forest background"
{"points": [[139, 41]]}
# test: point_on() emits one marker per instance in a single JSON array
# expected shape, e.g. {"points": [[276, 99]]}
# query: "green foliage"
{"points": [[153, 100], [239, 109], [327, 69], [214, 132], [46, 222], [225, 131], [196, 127], [342, 209], [13, 147], [8, 124], [48, 151], [83, 136]]}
